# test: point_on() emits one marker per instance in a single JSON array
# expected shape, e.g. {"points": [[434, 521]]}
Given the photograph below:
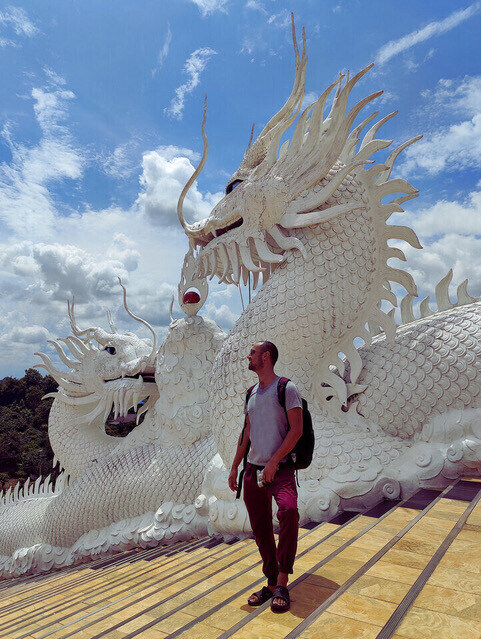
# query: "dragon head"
{"points": [[107, 368], [283, 186]]}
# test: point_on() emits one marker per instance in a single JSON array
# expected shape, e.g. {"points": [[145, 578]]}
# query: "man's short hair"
{"points": [[269, 347]]}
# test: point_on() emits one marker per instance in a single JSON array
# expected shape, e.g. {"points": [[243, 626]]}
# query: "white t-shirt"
{"points": [[268, 420]]}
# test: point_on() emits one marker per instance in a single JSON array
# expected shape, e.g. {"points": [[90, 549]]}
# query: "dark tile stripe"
{"points": [[80, 596], [222, 603], [121, 559], [422, 498], [84, 580], [348, 516], [318, 611], [217, 552], [379, 509], [402, 609], [37, 581], [464, 491], [158, 603]]}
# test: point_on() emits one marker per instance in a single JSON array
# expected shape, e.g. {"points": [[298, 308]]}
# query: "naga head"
{"points": [[101, 361], [280, 186]]}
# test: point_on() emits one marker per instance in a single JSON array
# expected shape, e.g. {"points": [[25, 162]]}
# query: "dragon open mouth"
{"points": [[229, 227], [146, 377], [203, 241]]}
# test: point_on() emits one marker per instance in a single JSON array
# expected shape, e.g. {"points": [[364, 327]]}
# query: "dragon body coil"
{"points": [[309, 218]]}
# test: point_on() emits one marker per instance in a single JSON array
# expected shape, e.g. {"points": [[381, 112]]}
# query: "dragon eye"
{"points": [[232, 185], [110, 349]]}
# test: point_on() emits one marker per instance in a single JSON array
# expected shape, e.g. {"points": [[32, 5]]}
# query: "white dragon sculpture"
{"points": [[402, 411]]}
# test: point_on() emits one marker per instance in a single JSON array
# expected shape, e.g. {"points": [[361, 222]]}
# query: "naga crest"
{"points": [[107, 368], [282, 191], [279, 187]]}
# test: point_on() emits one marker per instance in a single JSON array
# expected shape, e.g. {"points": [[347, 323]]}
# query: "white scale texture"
{"points": [[401, 412]]}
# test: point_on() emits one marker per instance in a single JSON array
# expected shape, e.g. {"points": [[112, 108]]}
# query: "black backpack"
{"points": [[301, 454], [304, 447]]}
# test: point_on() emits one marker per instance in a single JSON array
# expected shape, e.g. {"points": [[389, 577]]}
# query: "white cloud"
{"points": [[222, 315], [62, 270], [165, 172], [25, 335], [48, 254], [123, 161], [462, 96], [455, 146], [447, 217], [164, 52], [209, 6], [255, 5], [18, 342], [459, 252], [282, 19], [249, 44], [451, 148], [26, 204], [395, 47], [193, 67], [16, 19], [309, 99], [450, 231]]}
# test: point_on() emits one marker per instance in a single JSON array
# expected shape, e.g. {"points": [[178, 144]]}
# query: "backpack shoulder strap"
{"points": [[241, 476], [249, 393], [281, 391]]}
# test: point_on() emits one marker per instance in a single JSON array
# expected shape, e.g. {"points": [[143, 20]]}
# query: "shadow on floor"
{"points": [[310, 594]]}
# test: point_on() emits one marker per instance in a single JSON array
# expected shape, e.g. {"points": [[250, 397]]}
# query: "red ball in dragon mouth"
{"points": [[191, 297]]}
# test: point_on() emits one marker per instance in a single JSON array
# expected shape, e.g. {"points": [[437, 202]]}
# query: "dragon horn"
{"points": [[187, 227], [113, 328], [73, 324], [252, 135], [139, 319], [257, 151]]}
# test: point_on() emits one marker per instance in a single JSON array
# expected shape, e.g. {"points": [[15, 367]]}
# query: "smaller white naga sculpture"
{"points": [[310, 217], [116, 493]]}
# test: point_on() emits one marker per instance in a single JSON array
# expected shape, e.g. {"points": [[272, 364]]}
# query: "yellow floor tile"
{"points": [[202, 630], [378, 588], [456, 579], [338, 570], [421, 544], [356, 553], [394, 572], [472, 533], [227, 616], [436, 625], [466, 562], [330, 626], [362, 608], [460, 604], [405, 558], [258, 629]]}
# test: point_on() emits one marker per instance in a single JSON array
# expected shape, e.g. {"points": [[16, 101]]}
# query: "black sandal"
{"points": [[280, 593], [262, 596]]}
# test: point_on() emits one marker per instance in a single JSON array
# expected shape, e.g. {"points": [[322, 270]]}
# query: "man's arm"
{"points": [[294, 416], [239, 456]]}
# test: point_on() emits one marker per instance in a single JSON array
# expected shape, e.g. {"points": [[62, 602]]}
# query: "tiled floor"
{"points": [[367, 575]]}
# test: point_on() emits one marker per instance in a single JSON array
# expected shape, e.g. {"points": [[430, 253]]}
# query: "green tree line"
{"points": [[24, 446]]}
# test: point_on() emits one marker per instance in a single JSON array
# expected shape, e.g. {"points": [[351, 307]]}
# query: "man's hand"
{"points": [[269, 471], [233, 479]]}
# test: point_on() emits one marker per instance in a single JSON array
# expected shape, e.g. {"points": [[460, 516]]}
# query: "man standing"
{"points": [[273, 432]]}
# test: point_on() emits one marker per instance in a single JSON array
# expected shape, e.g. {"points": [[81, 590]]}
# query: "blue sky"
{"points": [[101, 104]]}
